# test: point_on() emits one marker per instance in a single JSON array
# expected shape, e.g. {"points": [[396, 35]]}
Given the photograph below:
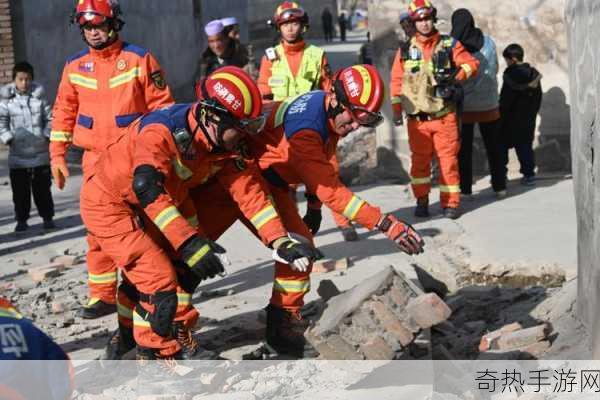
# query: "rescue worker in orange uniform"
{"points": [[150, 169], [424, 86], [102, 90], [295, 148], [293, 68]]}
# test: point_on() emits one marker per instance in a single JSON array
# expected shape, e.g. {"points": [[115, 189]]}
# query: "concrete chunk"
{"points": [[66, 260], [344, 304], [428, 310], [487, 340]]}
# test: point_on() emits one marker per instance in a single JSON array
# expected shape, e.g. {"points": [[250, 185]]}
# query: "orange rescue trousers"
{"points": [[221, 212], [437, 137], [112, 225]]}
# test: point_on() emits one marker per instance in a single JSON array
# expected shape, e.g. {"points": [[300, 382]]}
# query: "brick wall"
{"points": [[7, 55]]}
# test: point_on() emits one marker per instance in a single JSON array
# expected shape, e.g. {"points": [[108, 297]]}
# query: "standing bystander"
{"points": [[25, 127]]}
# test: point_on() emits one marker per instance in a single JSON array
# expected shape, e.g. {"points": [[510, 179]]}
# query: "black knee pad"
{"points": [[130, 291], [165, 307]]}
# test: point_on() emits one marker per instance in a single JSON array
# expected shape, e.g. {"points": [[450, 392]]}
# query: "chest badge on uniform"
{"points": [[86, 66], [121, 65]]}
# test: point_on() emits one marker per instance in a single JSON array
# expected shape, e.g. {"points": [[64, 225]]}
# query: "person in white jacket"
{"points": [[25, 127]]}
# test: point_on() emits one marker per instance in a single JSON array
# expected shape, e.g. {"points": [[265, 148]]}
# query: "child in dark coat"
{"points": [[520, 101]]}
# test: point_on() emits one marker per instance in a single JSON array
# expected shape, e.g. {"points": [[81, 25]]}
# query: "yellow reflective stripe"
{"points": [[291, 286], [396, 100], [240, 85], [262, 217], [10, 312], [410, 64], [282, 109], [367, 84], [193, 221], [81, 80], [139, 321], [124, 311], [184, 299], [450, 188], [353, 206], [165, 217], [102, 278], [181, 170], [124, 77], [61, 136], [198, 255], [468, 70], [420, 181], [93, 301]]}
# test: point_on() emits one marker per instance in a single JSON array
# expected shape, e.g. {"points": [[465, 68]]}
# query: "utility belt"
{"points": [[429, 116]]}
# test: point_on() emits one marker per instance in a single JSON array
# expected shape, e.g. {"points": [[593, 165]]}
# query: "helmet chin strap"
{"points": [[203, 121]]}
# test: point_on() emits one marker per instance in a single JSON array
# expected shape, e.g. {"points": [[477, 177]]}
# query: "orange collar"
{"points": [[108, 53], [290, 48], [427, 40]]}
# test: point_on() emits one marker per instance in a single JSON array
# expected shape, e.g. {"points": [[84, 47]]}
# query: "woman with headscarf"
{"points": [[480, 104]]}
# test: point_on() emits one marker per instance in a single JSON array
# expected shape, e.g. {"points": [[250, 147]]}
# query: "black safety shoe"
{"points": [[120, 343], [21, 226], [96, 310], [349, 233], [285, 333], [422, 208], [49, 224], [451, 212]]}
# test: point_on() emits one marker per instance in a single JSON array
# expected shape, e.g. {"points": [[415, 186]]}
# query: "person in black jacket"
{"points": [[520, 102]]}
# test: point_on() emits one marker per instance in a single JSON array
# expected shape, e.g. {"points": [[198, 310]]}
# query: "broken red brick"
{"points": [[377, 349], [38, 274], [428, 310], [537, 349], [390, 322], [344, 349], [521, 338], [66, 260], [330, 265], [488, 339]]}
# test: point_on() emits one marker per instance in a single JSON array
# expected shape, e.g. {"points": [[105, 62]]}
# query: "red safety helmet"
{"points": [[360, 89], [96, 12], [421, 9], [230, 93], [290, 11]]}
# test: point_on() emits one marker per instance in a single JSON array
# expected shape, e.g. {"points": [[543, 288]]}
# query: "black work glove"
{"points": [[298, 255], [312, 219], [200, 255]]}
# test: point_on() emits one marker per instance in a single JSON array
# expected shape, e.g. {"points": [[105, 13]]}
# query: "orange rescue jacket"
{"points": [[150, 141], [101, 92]]}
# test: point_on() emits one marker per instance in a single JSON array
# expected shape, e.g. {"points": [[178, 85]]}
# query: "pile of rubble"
{"points": [[386, 317]]}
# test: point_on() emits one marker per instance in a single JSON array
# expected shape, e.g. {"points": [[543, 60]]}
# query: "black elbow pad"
{"points": [[148, 184]]}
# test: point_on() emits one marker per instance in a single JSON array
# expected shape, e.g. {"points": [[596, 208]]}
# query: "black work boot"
{"points": [[120, 343], [96, 310], [451, 212], [422, 209], [285, 333], [21, 226], [190, 348]]}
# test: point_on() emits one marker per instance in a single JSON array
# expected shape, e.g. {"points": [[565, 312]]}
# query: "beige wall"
{"points": [[537, 25]]}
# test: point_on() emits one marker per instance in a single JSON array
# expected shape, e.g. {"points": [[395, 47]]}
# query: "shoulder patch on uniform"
{"points": [[158, 79], [140, 51], [78, 55]]}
